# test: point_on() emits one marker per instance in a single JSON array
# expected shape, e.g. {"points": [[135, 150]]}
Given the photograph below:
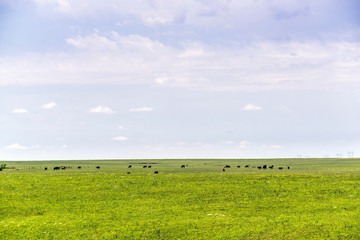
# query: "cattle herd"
{"points": [[67, 167], [181, 166], [258, 167]]}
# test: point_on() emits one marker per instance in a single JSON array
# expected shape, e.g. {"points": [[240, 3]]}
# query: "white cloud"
{"points": [[161, 80], [141, 109], [64, 146], [194, 12], [276, 147], [49, 105], [139, 60], [244, 144], [16, 146], [59, 5], [93, 42], [251, 107], [101, 109], [120, 138], [20, 110], [227, 142], [120, 127]]}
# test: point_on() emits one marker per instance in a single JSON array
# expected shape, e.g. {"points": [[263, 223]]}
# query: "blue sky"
{"points": [[179, 79]]}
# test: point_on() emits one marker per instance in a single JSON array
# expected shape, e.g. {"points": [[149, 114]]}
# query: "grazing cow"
{"points": [[288, 167], [264, 167], [281, 168], [45, 168], [223, 169], [227, 166], [129, 166], [79, 167], [97, 167], [182, 166], [56, 168], [246, 166], [271, 167], [149, 166], [259, 167], [128, 172], [156, 172], [145, 166], [238, 166], [0, 169]]}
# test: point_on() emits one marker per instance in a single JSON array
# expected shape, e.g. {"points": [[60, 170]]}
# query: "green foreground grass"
{"points": [[315, 199]]}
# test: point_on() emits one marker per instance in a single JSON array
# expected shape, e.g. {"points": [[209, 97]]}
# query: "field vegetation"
{"points": [[314, 199]]}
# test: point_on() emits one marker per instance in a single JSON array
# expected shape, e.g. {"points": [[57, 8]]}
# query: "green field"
{"points": [[314, 199]]}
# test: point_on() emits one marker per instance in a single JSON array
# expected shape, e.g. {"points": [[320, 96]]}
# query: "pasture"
{"points": [[314, 199]]}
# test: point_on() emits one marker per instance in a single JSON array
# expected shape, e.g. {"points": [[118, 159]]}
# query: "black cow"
{"points": [[259, 167], [45, 168], [128, 172], [97, 167], [288, 167], [238, 166], [182, 166], [264, 167], [156, 172], [63, 168], [79, 167], [227, 166], [129, 166], [281, 168], [56, 168], [246, 166], [149, 166], [271, 167], [145, 166]]}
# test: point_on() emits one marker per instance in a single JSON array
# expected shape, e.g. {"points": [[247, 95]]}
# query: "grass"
{"points": [[315, 199]]}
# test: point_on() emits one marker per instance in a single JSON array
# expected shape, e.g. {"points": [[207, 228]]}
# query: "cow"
{"points": [[259, 167], [129, 166], [264, 167], [182, 166], [288, 167], [145, 166], [156, 172], [63, 168], [128, 172], [149, 166], [227, 166], [79, 167], [238, 166], [281, 168], [56, 168], [97, 167], [246, 166], [223, 169], [45, 168], [271, 167]]}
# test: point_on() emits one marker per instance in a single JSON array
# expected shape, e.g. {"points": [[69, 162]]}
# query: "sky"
{"points": [[142, 79]]}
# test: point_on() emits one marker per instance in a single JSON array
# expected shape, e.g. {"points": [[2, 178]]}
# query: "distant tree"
{"points": [[3, 166]]}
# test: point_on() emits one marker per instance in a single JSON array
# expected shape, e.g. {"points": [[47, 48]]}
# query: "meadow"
{"points": [[314, 199]]}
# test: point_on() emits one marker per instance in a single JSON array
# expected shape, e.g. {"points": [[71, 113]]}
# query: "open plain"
{"points": [[314, 199]]}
